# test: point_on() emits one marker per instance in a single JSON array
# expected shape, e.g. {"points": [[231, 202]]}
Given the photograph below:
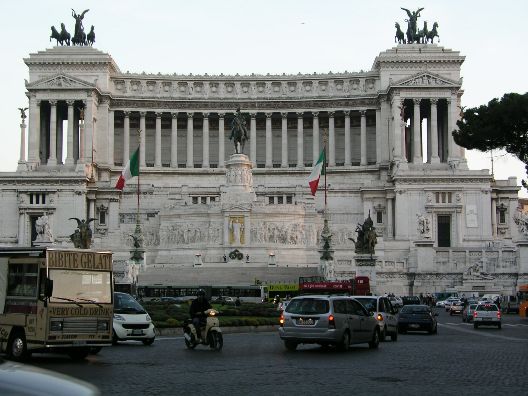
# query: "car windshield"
{"points": [[415, 309], [490, 307], [308, 306], [125, 304], [368, 303]]}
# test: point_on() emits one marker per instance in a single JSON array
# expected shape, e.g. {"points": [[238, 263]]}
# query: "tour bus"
{"points": [[55, 300], [523, 300], [282, 290], [250, 293]]}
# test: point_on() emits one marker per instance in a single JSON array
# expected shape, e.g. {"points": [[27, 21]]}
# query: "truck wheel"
{"points": [[17, 347], [95, 350]]}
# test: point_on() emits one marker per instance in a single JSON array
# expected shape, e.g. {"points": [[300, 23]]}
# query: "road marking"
{"points": [[168, 338], [476, 332]]}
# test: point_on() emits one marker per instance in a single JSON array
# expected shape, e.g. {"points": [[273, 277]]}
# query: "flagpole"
{"points": [[325, 141], [139, 173]]}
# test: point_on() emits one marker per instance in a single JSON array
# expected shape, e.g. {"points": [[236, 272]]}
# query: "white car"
{"points": [[441, 304], [449, 302], [384, 312], [131, 321]]}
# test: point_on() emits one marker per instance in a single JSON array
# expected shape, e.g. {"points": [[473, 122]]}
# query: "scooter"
{"points": [[211, 334]]}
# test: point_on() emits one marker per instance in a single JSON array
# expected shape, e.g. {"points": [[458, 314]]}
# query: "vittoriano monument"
{"points": [[414, 35], [239, 133], [79, 38]]}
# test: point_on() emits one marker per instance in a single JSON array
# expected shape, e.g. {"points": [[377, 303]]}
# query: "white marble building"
{"points": [[389, 153]]}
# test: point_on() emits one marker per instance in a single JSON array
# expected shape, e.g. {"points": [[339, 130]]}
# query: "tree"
{"points": [[501, 124]]}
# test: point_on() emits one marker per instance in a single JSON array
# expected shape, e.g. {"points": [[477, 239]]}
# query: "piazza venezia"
{"points": [[201, 214]]}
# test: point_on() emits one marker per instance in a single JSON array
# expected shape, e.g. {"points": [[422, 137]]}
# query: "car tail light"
{"points": [[331, 322], [475, 314], [498, 315], [281, 320], [379, 317]]}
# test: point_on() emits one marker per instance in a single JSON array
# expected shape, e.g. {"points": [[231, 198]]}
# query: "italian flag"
{"points": [[131, 170], [317, 171]]}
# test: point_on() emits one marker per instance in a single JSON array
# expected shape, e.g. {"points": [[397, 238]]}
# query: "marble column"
{"points": [[60, 136], [331, 139], [284, 140], [111, 137], [451, 126], [69, 138], [379, 144], [52, 160], [397, 111], [363, 137], [435, 159], [21, 233], [126, 137], [348, 156], [82, 136], [142, 139], [417, 129], [22, 159], [34, 131], [205, 141], [174, 140], [221, 140], [390, 204], [315, 137], [253, 139], [300, 140], [190, 131], [157, 148], [269, 142], [494, 217]]}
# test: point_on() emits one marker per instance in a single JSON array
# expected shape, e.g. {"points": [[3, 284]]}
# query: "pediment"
{"points": [[425, 79], [60, 81]]}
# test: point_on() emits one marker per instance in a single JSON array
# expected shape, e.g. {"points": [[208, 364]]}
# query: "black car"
{"points": [[411, 300], [417, 318]]}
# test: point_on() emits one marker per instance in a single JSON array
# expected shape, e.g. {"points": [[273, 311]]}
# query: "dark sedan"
{"points": [[417, 318]]}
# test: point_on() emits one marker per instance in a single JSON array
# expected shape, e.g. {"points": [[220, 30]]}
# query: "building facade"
{"points": [[390, 155]]}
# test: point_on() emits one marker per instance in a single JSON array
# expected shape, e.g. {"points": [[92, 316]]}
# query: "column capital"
{"points": [[253, 115], [284, 114], [174, 115], [434, 101], [205, 115], [159, 114], [347, 113], [363, 113], [142, 114], [221, 115], [70, 102], [315, 114], [126, 113], [300, 114], [268, 115], [190, 115], [53, 102], [331, 114], [416, 101]]}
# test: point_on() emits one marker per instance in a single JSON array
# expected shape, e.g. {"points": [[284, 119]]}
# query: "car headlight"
{"points": [[148, 318], [103, 325], [119, 318]]}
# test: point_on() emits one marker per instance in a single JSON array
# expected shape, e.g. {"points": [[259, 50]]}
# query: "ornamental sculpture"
{"points": [[239, 133], [414, 35], [366, 237], [79, 37], [82, 237]]}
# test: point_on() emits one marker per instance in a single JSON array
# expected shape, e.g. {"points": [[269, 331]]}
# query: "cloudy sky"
{"points": [[271, 36]]}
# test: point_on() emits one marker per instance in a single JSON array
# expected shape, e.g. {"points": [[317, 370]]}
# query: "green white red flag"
{"points": [[317, 171], [131, 170]]}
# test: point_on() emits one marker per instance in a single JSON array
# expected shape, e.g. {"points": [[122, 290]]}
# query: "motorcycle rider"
{"points": [[197, 311]]}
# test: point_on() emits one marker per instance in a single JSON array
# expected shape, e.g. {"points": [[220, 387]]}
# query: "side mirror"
{"points": [[48, 288]]}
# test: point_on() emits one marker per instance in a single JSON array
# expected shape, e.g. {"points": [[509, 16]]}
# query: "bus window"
{"points": [[22, 280]]}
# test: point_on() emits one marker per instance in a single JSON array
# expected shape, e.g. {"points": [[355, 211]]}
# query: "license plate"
{"points": [[137, 332], [414, 326], [305, 322], [75, 342]]}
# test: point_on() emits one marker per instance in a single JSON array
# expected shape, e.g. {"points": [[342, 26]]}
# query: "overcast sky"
{"points": [[271, 36]]}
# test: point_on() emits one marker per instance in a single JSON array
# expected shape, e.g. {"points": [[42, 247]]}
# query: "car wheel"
{"points": [[114, 338], [290, 345], [450, 313], [394, 336], [475, 326], [435, 329], [17, 347], [344, 345], [374, 343], [78, 353], [148, 341]]}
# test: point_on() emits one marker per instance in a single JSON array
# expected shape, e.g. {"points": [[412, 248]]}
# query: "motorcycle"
{"points": [[211, 334]]}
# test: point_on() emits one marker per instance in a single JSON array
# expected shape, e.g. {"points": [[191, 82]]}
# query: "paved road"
{"points": [[459, 360]]}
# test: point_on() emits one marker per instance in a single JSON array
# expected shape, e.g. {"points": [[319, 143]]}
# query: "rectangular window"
{"points": [[444, 230], [270, 200], [195, 200], [289, 199], [379, 217], [280, 200], [502, 217], [102, 217], [204, 200], [31, 199]]}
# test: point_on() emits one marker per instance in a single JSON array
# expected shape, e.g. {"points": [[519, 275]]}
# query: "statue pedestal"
{"points": [[366, 266]]}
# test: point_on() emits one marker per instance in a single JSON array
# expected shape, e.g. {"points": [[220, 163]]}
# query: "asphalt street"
{"points": [[459, 360]]}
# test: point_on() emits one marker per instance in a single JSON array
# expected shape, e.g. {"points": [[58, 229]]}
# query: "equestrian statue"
{"points": [[239, 133]]}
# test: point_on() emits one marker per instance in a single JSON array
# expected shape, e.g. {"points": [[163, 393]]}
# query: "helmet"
{"points": [[200, 292]]}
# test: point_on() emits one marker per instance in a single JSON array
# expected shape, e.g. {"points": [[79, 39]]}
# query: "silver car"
{"points": [[327, 320], [384, 312]]}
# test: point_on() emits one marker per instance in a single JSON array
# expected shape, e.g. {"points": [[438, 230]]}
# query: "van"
{"points": [[510, 304], [327, 320], [131, 321]]}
